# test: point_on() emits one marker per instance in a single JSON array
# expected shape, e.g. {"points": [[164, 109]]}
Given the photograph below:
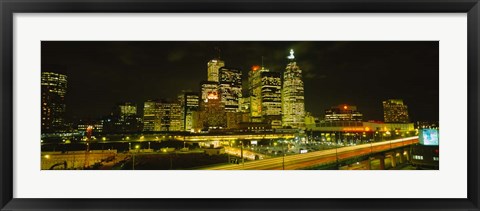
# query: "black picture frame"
{"points": [[9, 7]]}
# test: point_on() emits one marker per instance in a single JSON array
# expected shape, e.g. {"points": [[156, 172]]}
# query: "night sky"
{"points": [[101, 74]]}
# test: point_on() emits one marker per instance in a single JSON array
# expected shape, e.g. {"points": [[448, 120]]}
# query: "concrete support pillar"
{"points": [[393, 160], [407, 155], [368, 164], [402, 157], [382, 163], [381, 159]]}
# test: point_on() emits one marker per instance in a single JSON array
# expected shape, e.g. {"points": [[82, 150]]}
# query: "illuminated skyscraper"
{"points": [[343, 112], [54, 89], [230, 88], [293, 103], [150, 111], [255, 92], [162, 115], [189, 102], [126, 118], [271, 96], [127, 109], [170, 116], [265, 95], [212, 114], [213, 67], [395, 111]]}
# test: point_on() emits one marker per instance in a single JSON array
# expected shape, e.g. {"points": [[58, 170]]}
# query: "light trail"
{"points": [[299, 161]]}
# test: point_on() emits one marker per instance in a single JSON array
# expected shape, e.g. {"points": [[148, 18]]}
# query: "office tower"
{"points": [[395, 111], [189, 102], [271, 96], [213, 67], [343, 112], [212, 115], [54, 89], [125, 119], [293, 106], [170, 116], [265, 94], [162, 115], [230, 87], [255, 92], [127, 109], [150, 111]]}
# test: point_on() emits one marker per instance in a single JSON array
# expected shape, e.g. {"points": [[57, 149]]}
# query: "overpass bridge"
{"points": [[225, 137], [372, 151]]}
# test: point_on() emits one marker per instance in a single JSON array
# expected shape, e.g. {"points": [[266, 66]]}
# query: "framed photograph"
{"points": [[216, 105]]}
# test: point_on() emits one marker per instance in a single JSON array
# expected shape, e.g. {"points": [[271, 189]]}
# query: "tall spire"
{"points": [[293, 103], [291, 56]]}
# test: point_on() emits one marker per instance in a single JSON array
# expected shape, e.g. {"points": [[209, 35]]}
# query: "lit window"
{"points": [[418, 157]]}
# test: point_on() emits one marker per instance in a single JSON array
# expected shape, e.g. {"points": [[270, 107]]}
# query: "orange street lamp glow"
{"points": [[345, 107]]}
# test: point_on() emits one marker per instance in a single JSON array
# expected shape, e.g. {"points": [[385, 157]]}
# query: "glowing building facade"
{"points": [[189, 102], [123, 119], [271, 95], [209, 88], [230, 87], [150, 111], [127, 109], [343, 112], [213, 67], [244, 104], [265, 95], [162, 115], [255, 92], [293, 103], [395, 111], [169, 116], [212, 115], [54, 89]]}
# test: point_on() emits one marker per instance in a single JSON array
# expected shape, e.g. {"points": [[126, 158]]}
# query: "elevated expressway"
{"points": [[302, 161]]}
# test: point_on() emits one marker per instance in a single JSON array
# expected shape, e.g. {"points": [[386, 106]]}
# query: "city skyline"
{"points": [[92, 93], [260, 121]]}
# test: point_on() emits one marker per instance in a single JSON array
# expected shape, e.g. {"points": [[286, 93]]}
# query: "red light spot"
{"points": [[255, 68]]}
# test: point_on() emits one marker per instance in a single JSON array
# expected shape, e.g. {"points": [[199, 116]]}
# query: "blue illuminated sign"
{"points": [[428, 137]]}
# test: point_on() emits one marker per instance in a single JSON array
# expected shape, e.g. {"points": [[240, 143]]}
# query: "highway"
{"points": [[300, 161]]}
